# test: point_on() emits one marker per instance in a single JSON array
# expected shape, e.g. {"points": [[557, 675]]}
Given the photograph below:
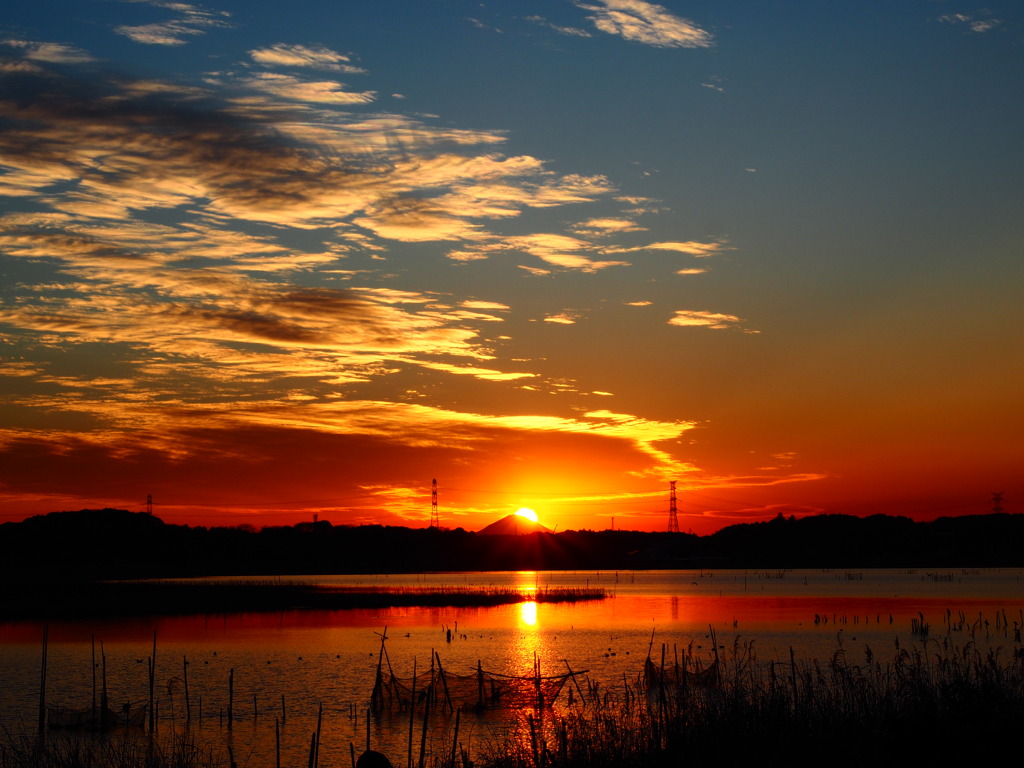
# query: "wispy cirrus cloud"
{"points": [[49, 53], [563, 251], [307, 56], [703, 319], [562, 318], [487, 374], [979, 24], [480, 304], [309, 91], [647, 23], [691, 248], [608, 226], [190, 20], [559, 28]]}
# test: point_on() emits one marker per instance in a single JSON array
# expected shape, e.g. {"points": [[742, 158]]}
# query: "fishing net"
{"points": [[479, 690], [675, 674]]}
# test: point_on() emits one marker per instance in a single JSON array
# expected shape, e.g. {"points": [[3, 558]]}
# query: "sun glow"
{"points": [[528, 513]]}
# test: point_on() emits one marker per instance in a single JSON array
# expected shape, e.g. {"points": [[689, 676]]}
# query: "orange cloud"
{"points": [[646, 23], [704, 319]]}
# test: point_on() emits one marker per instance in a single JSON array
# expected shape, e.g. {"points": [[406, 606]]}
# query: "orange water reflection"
{"points": [[304, 658], [525, 653], [526, 582], [528, 613]]}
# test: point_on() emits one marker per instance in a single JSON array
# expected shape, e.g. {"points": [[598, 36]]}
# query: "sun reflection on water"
{"points": [[527, 582], [530, 645], [528, 613]]}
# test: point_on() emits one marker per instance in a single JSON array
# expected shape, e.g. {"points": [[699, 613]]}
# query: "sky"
{"points": [[263, 261]]}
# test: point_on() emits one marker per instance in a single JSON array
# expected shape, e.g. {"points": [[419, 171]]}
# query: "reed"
{"points": [[128, 748], [937, 701], [126, 598], [943, 698]]}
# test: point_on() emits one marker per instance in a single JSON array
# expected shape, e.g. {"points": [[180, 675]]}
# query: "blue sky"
{"points": [[266, 260]]}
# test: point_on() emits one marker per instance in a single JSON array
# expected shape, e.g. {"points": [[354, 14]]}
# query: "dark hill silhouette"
{"points": [[514, 525]]}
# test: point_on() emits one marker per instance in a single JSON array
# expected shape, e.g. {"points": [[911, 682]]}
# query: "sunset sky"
{"points": [[266, 260]]}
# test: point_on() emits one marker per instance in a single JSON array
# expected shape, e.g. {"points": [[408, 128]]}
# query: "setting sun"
{"points": [[528, 513]]}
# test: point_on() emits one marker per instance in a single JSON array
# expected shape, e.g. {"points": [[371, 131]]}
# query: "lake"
{"points": [[285, 664]]}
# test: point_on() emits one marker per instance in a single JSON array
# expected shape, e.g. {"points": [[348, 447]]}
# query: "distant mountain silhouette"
{"points": [[513, 525]]}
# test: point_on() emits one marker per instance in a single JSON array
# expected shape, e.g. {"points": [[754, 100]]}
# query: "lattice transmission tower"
{"points": [[997, 502], [673, 520], [435, 521]]}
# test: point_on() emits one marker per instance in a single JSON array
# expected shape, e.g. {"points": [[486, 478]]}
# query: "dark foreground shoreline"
{"points": [[943, 702]]}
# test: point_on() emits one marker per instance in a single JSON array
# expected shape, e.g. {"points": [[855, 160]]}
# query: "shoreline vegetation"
{"points": [[939, 699], [108, 544], [107, 599]]}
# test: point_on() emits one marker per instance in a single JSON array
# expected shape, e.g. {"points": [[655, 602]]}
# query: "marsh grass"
{"points": [[182, 597], [127, 748], [936, 701], [943, 700]]}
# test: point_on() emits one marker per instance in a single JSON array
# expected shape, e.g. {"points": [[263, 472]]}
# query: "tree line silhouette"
{"points": [[116, 544]]}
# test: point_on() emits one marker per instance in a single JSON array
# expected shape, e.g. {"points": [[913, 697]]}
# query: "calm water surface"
{"points": [[287, 664]]}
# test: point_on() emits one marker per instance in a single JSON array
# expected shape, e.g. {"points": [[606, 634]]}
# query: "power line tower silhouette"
{"points": [[997, 502], [673, 520], [149, 504], [435, 521]]}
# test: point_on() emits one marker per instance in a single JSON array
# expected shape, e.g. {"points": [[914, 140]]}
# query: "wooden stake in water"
{"points": [[188, 703], [231, 697], [42, 682], [104, 699], [792, 664], [152, 686], [312, 751], [319, 724], [423, 739], [455, 738], [92, 713], [152, 695], [412, 712]]}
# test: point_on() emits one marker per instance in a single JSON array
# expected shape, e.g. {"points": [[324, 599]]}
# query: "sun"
{"points": [[528, 513]]}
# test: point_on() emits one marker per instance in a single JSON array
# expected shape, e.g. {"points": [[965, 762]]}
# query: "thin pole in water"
{"points": [[152, 686], [455, 738], [92, 713], [231, 697], [423, 740], [42, 682], [412, 711], [188, 702], [319, 723]]}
